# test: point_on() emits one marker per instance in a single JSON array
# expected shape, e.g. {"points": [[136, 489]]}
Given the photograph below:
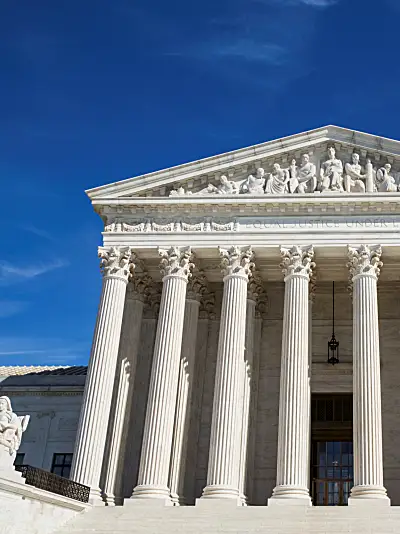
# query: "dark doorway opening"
{"points": [[331, 449]]}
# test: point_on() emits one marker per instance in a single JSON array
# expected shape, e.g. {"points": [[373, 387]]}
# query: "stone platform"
{"points": [[194, 520]]}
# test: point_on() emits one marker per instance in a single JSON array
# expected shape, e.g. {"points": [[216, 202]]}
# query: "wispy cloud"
{"points": [[10, 307], [311, 3], [242, 49], [37, 231], [11, 274], [33, 351], [264, 43]]}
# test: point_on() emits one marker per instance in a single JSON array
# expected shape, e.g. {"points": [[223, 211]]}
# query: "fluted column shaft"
{"points": [[311, 298], [159, 423], [92, 429], [223, 463], [294, 413], [367, 417], [246, 378], [182, 413], [126, 367]]}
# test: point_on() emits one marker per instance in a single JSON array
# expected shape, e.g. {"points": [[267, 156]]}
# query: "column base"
{"points": [[243, 499], [112, 500], [368, 495], [150, 494], [216, 495], [290, 495], [95, 497], [176, 500]]}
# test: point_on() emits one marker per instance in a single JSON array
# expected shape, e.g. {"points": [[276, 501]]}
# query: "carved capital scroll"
{"points": [[139, 286], [257, 293], [176, 261], [365, 259], [297, 260], [117, 262], [236, 261], [197, 286]]}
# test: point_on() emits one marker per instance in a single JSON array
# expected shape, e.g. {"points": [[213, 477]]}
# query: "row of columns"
{"points": [[164, 445]]}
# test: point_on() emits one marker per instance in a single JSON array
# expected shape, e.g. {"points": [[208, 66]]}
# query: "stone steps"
{"points": [[272, 520]]}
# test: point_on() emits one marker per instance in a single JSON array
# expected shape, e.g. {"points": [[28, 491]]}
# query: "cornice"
{"points": [[192, 207], [27, 391]]}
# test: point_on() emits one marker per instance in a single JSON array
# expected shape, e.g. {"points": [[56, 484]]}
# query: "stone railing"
{"points": [[39, 478]]}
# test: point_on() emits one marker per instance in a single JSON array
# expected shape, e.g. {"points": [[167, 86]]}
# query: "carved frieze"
{"points": [[168, 226]]}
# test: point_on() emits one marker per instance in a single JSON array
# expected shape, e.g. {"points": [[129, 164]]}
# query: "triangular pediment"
{"points": [[203, 177]]}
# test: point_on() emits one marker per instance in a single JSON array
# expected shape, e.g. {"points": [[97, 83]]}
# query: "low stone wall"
{"points": [[28, 510]]}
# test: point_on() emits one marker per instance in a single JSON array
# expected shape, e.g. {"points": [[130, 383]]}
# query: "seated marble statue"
{"points": [[331, 173], [11, 429], [385, 182], [277, 181], [354, 178], [254, 185], [303, 179]]}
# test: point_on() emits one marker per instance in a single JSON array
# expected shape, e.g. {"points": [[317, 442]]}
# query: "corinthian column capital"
{"points": [[236, 261], [364, 260], [139, 287], [176, 261], [257, 293], [297, 261], [116, 262], [197, 286]]}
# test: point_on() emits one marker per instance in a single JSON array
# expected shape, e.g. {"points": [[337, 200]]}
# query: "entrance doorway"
{"points": [[331, 449]]}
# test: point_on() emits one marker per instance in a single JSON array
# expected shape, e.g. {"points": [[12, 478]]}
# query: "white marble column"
{"points": [[311, 298], [224, 456], [364, 265], [256, 299], [294, 425], [159, 424], [245, 400], [197, 286], [116, 265], [137, 291]]}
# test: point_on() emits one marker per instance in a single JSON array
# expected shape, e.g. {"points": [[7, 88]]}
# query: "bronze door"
{"points": [[332, 472]]}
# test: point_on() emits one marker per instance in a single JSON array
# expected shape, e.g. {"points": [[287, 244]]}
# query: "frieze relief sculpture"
{"points": [[303, 178], [255, 184], [385, 182], [12, 427], [277, 182], [331, 172], [354, 178]]}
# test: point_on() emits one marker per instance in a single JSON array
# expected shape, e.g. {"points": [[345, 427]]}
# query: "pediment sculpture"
{"points": [[385, 182], [334, 176], [12, 427]]}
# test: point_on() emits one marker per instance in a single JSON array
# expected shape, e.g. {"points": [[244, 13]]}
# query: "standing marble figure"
{"points": [[11, 430]]}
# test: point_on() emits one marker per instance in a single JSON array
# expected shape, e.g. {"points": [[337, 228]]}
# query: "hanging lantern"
{"points": [[333, 344]]}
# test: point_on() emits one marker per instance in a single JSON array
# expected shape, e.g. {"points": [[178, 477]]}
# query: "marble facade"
{"points": [[207, 348]]}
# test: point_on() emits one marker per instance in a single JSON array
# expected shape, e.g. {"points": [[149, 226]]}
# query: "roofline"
{"points": [[227, 159]]}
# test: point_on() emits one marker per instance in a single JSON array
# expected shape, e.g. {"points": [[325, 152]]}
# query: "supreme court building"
{"points": [[215, 372]]}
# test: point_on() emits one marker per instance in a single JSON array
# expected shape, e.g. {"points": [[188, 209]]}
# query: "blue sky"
{"points": [[93, 92]]}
